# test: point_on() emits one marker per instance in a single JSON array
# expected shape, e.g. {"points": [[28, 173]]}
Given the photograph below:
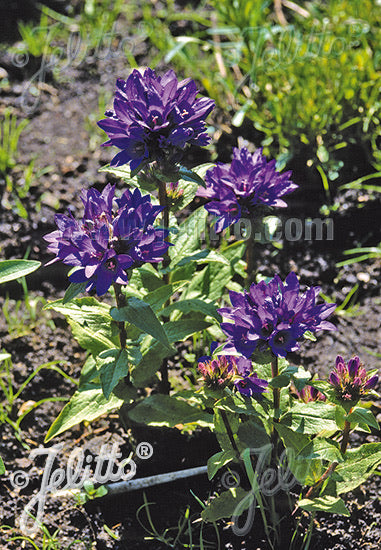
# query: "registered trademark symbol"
{"points": [[144, 450]]}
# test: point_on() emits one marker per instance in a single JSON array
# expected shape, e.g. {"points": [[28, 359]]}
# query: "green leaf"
{"points": [[86, 404], [188, 175], [359, 415], [219, 460], [90, 321], [189, 188], [2, 467], [89, 339], [13, 269], [252, 434], [326, 503], [177, 331], [228, 504], [357, 466], [142, 316], [158, 297], [112, 365], [306, 470], [322, 448], [190, 305], [188, 238], [73, 290], [308, 335], [310, 418], [154, 352], [165, 410]]}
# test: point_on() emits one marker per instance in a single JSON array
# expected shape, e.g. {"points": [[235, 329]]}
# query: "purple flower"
{"points": [[251, 385], [237, 189], [309, 393], [108, 241], [154, 118], [223, 370], [218, 371], [351, 382], [273, 316]]}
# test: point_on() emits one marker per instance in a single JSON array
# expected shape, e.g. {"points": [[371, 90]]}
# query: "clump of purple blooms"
{"points": [[273, 316], [107, 242], [351, 382], [309, 393], [154, 118], [237, 189], [220, 371]]}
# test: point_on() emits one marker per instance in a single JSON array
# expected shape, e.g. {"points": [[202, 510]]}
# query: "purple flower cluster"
{"points": [[273, 316], [223, 370], [154, 118], [308, 394], [237, 189], [351, 382], [107, 242]]}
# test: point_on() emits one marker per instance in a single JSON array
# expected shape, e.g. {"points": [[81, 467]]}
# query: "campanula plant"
{"points": [[130, 250]]}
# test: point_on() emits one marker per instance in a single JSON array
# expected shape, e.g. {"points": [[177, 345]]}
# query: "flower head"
{"points": [[154, 118], [308, 394], [351, 381], [108, 241], [223, 370], [237, 189], [273, 316]]}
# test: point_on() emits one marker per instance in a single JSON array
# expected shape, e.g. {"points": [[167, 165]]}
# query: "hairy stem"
{"points": [[346, 431], [163, 200], [250, 260], [121, 302], [276, 401], [229, 431], [164, 386]]}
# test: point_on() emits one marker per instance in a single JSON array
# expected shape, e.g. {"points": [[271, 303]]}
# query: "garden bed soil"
{"points": [[58, 138]]}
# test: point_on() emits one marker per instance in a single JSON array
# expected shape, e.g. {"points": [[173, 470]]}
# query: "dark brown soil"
{"points": [[62, 136]]}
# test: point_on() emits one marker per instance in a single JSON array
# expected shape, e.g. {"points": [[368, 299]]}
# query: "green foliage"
{"points": [[13, 269], [227, 504], [10, 131], [334, 505], [311, 88], [87, 404], [165, 410]]}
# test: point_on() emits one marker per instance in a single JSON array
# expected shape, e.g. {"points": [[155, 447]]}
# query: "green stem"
{"points": [[276, 401], [164, 386], [346, 431], [121, 302], [163, 200], [250, 261]]}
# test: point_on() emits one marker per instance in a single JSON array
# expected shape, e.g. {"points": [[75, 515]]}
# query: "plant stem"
{"points": [[121, 302], [250, 261], [344, 442], [276, 391], [276, 401], [165, 221], [164, 386], [229, 431], [312, 490]]}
